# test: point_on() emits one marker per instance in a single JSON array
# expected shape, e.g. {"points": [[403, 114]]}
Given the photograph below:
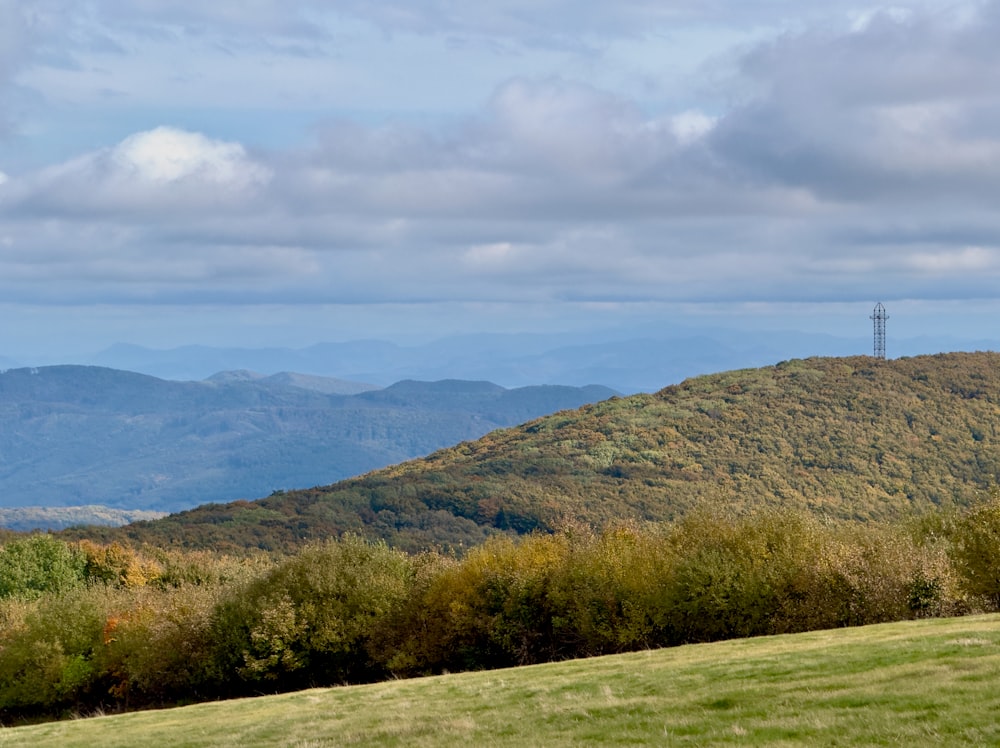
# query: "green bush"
{"points": [[50, 659], [36, 564], [491, 609], [310, 620], [159, 650], [608, 594], [108, 645], [976, 550], [734, 577]]}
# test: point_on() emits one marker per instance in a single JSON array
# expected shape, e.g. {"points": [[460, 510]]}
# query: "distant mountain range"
{"points": [[638, 364], [639, 360], [80, 435]]}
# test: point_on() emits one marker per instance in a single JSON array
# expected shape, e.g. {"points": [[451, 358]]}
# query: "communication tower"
{"points": [[879, 317]]}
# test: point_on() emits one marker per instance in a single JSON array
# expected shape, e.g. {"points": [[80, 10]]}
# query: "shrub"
{"points": [[117, 565], [493, 609], [159, 650], [50, 658], [737, 576], [608, 594], [38, 563], [311, 619], [976, 550]]}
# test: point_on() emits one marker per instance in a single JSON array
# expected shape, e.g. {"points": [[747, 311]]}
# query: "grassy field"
{"points": [[934, 682]]}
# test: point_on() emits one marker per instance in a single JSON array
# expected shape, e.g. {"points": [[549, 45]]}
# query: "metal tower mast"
{"points": [[879, 317]]}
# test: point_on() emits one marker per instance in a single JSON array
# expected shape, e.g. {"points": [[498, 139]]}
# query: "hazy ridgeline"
{"points": [[89, 627]]}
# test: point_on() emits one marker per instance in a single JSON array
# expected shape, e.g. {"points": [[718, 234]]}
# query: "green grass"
{"points": [[934, 682]]}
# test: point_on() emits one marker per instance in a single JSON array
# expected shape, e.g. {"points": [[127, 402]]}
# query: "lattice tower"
{"points": [[879, 317]]}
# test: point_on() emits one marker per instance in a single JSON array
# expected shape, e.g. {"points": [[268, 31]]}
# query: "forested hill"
{"points": [[847, 437]]}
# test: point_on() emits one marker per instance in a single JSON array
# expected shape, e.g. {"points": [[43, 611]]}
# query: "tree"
{"points": [[976, 549]]}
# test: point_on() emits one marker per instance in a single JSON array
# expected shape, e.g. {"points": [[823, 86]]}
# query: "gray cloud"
{"points": [[850, 158], [903, 107], [22, 26], [543, 21]]}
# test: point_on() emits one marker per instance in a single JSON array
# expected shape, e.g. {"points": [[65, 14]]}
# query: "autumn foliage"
{"points": [[120, 629]]}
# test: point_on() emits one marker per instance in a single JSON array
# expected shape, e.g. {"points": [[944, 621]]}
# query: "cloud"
{"points": [[153, 171], [966, 260], [898, 107], [846, 158], [167, 155], [156, 216], [22, 25], [531, 22], [573, 129], [230, 19], [550, 22], [692, 125]]}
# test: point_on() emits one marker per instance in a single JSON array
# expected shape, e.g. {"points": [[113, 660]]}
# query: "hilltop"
{"points": [[85, 435], [853, 438]]}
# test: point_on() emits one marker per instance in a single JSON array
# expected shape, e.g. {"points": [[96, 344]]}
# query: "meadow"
{"points": [[928, 682]]}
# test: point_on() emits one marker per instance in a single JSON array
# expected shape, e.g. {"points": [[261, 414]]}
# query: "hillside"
{"points": [[915, 683], [844, 437], [75, 435]]}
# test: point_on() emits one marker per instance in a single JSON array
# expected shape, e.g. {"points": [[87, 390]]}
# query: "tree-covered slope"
{"points": [[846, 437]]}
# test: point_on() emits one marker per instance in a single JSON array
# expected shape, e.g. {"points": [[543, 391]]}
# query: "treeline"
{"points": [[87, 628]]}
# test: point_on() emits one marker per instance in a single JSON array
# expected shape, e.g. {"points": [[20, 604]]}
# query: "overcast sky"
{"points": [[258, 172]]}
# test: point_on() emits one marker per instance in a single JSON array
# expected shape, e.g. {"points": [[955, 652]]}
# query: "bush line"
{"points": [[89, 628]]}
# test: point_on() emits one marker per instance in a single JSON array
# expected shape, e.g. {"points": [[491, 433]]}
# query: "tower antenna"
{"points": [[879, 317]]}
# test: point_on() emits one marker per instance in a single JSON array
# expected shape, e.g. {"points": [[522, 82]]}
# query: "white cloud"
{"points": [[899, 108], [167, 155], [156, 172], [966, 260], [691, 125], [559, 129], [490, 256]]}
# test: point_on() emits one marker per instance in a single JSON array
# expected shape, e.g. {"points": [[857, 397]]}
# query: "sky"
{"points": [[261, 173]]}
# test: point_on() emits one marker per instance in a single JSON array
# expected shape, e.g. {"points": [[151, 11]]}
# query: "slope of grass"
{"points": [[851, 438], [933, 682]]}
